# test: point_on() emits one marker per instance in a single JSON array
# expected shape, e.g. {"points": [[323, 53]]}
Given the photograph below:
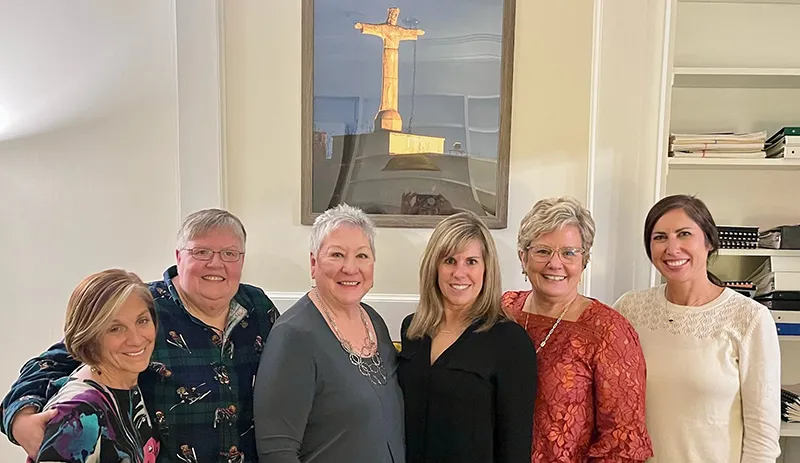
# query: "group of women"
{"points": [[687, 371], [545, 374]]}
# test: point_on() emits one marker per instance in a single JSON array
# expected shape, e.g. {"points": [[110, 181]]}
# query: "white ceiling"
{"points": [[67, 60]]}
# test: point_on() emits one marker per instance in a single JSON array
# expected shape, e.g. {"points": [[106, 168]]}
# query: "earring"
{"points": [[526, 275], [96, 370]]}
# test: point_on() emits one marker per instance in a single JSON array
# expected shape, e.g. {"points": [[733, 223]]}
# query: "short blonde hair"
{"points": [[94, 304], [451, 236], [206, 220], [555, 213]]}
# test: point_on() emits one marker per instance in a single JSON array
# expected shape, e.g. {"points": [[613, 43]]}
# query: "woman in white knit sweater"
{"points": [[713, 361]]}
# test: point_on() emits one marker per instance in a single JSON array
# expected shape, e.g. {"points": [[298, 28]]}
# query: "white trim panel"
{"points": [[627, 69], [199, 38]]}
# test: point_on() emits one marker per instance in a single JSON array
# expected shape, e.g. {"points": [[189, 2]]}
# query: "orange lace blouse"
{"points": [[591, 391]]}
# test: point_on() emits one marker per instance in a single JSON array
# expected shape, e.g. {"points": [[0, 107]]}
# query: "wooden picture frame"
{"points": [[404, 176]]}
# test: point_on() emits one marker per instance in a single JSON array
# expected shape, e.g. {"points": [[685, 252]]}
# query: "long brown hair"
{"points": [[451, 236], [698, 212]]}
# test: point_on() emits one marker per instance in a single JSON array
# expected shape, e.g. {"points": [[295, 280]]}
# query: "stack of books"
{"points": [[737, 237], [718, 145], [785, 143], [790, 403]]}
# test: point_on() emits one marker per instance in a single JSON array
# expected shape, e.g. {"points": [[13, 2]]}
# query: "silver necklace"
{"points": [[553, 328], [369, 364]]}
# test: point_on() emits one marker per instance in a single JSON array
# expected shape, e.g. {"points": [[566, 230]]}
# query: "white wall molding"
{"points": [[392, 307], [594, 95], [201, 126], [628, 79]]}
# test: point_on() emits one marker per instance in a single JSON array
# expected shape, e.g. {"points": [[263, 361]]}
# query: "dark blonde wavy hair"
{"points": [[92, 307], [451, 236]]}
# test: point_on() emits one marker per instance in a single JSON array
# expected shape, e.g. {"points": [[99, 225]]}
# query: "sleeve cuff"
{"points": [[11, 412]]}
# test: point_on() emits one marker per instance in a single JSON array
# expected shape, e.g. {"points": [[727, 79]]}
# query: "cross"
{"points": [[388, 118]]}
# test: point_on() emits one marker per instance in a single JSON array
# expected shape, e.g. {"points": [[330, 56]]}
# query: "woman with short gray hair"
{"points": [[591, 385], [326, 389]]}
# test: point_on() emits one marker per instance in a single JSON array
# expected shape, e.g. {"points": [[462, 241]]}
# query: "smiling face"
{"points": [[128, 342], [213, 282], [460, 277], [554, 279], [344, 266], [679, 248]]}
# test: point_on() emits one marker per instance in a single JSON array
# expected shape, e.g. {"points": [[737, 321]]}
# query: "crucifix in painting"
{"points": [[388, 117], [412, 123]]}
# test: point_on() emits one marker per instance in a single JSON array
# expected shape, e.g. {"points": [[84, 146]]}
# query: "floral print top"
{"points": [[591, 387]]}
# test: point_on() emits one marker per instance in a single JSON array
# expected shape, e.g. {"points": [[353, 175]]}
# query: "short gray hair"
{"points": [[204, 221], [552, 214], [335, 217]]}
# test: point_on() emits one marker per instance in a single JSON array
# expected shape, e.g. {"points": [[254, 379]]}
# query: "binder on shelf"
{"points": [[788, 329], [783, 133], [786, 322], [768, 280], [777, 281], [782, 264], [785, 143], [780, 301], [784, 150], [782, 237]]}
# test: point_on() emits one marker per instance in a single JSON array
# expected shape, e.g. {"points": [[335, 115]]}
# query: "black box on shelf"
{"points": [[788, 236]]}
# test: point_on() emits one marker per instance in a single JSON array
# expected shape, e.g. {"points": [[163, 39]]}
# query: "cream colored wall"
{"points": [[550, 137]]}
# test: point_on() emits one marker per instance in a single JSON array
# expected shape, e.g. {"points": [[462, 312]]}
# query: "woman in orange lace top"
{"points": [[591, 387]]}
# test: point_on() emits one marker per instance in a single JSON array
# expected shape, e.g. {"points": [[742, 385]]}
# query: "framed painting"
{"points": [[406, 108]]}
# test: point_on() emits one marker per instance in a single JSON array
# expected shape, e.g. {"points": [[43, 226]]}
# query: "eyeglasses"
{"points": [[568, 255], [227, 255]]}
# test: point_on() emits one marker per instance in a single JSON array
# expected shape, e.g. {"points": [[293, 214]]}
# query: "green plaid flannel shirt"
{"points": [[199, 387]]}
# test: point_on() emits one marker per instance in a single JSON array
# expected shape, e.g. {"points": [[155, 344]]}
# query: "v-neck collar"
{"points": [[428, 345]]}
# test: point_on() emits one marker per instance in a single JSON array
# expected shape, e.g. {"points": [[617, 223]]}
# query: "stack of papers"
{"points": [[790, 403], [785, 143], [718, 145]]}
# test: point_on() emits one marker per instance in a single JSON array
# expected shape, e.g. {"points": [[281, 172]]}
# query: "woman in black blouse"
{"points": [[467, 372]]}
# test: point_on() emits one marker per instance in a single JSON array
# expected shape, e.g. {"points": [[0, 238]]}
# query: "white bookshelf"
{"points": [[790, 429], [742, 72], [718, 163], [761, 252], [731, 67], [712, 77]]}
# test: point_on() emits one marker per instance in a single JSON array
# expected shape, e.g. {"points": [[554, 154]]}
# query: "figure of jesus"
{"points": [[388, 118]]}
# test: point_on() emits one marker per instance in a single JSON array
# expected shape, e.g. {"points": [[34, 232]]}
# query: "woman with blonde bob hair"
{"points": [[99, 413], [467, 372], [591, 387]]}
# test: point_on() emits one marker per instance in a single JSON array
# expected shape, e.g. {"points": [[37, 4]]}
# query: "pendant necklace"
{"points": [[555, 325]]}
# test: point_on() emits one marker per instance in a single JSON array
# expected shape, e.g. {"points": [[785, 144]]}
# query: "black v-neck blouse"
{"points": [[475, 402]]}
